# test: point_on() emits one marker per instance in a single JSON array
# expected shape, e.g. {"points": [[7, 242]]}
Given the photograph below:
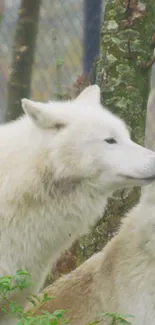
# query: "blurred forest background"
{"points": [[54, 48]]}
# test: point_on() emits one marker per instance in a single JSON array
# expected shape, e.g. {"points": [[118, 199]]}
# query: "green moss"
{"points": [[122, 73]]}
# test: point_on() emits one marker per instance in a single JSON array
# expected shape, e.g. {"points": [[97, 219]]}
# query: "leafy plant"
{"points": [[20, 281], [117, 318]]}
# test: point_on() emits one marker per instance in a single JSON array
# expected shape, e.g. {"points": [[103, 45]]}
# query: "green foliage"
{"points": [[59, 63], [117, 318], [20, 281]]}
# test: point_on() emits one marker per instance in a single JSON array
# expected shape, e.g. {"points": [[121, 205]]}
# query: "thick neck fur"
{"points": [[140, 225], [127, 265]]}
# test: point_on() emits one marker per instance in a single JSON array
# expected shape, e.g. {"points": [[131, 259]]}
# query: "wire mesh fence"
{"points": [[60, 50], [59, 47]]}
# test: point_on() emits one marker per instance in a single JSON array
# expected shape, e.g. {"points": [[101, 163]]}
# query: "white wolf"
{"points": [[58, 165], [121, 278]]}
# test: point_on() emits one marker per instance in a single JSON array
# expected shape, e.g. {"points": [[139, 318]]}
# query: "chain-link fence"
{"points": [[67, 43]]}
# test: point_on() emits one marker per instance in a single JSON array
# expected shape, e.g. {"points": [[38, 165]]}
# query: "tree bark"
{"points": [[125, 60], [23, 56]]}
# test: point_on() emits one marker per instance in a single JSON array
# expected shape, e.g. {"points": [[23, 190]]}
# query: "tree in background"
{"points": [[2, 6], [91, 44], [23, 56]]}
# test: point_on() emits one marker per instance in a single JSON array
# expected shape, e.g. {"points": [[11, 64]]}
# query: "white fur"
{"points": [[121, 278], [56, 172]]}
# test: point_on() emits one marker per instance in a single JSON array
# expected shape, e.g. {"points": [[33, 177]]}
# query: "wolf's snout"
{"points": [[139, 165], [147, 169]]}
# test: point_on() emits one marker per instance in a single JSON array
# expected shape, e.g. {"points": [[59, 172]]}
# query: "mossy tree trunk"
{"points": [[23, 57], [123, 73], [125, 60]]}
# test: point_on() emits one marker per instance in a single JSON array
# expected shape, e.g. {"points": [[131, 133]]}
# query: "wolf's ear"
{"points": [[43, 115], [91, 94]]}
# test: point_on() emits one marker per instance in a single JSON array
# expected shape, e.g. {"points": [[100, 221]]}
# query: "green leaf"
{"points": [[111, 59], [111, 25], [115, 40]]}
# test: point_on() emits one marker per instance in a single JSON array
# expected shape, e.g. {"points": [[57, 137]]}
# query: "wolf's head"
{"points": [[86, 141]]}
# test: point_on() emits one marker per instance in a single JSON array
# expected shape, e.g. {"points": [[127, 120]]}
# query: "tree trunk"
{"points": [[125, 60], [2, 7], [92, 20], [23, 56]]}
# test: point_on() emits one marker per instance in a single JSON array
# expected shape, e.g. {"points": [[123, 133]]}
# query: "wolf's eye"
{"points": [[110, 140]]}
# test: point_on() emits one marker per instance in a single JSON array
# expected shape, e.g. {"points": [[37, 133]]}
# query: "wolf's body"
{"points": [[58, 165], [121, 278]]}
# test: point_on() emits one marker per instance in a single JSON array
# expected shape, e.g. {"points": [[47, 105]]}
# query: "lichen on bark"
{"points": [[126, 49]]}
